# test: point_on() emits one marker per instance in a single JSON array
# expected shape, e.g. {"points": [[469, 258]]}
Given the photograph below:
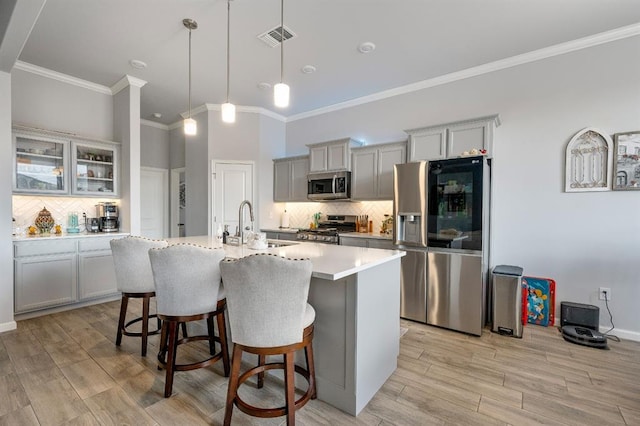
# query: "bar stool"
{"points": [[134, 280], [188, 288], [269, 315]]}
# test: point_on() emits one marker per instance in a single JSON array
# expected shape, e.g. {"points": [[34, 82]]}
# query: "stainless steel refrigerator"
{"points": [[441, 211]]}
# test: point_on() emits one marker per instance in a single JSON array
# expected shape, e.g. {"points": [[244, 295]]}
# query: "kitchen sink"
{"points": [[278, 243]]}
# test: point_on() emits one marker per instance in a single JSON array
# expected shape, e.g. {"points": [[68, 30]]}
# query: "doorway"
{"points": [[231, 183], [178, 203]]}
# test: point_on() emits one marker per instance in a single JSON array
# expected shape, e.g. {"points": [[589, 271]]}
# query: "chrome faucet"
{"points": [[241, 229]]}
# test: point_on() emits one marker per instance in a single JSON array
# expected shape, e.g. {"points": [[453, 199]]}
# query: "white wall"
{"points": [[154, 147], [253, 137], [582, 240], [197, 178], [54, 105], [6, 245], [272, 145]]}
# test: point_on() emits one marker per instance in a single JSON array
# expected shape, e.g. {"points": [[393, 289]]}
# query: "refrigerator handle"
{"points": [[333, 184]]}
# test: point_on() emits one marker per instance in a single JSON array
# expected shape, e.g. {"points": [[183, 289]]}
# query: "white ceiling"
{"points": [[416, 40]]}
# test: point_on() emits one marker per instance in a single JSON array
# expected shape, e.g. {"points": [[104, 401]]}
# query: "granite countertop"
{"points": [[330, 262], [65, 235], [375, 235]]}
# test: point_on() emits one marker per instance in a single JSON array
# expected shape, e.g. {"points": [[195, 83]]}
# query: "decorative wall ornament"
{"points": [[589, 161], [626, 170]]}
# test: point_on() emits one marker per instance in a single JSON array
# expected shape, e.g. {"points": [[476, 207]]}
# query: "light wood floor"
{"points": [[65, 369]]}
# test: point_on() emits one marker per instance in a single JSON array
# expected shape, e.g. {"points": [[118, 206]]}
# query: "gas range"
{"points": [[327, 231]]}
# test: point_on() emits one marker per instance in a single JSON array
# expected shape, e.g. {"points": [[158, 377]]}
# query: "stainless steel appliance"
{"points": [[107, 213], [441, 214], [328, 231], [329, 186]]}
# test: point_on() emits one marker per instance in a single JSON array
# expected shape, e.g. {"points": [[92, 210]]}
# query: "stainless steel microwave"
{"points": [[329, 186]]}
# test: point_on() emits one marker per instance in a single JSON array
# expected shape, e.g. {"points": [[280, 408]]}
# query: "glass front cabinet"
{"points": [[94, 169], [51, 163], [40, 164]]}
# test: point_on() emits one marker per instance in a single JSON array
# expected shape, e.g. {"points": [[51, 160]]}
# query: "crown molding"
{"points": [[175, 125], [239, 108], [54, 75], [126, 81], [525, 58], [150, 123]]}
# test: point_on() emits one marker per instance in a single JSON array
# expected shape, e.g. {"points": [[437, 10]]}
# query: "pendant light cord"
{"points": [[228, 38], [189, 72], [281, 41]]}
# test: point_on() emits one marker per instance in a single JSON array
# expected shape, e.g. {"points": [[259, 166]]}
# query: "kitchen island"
{"points": [[355, 292]]}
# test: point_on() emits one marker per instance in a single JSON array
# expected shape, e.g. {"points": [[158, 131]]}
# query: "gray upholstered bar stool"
{"points": [[269, 315], [134, 280], [188, 288]]}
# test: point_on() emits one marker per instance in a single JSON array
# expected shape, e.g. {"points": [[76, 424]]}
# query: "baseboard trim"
{"points": [[623, 334], [8, 326]]}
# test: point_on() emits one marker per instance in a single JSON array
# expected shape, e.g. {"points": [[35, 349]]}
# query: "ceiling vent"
{"points": [[272, 37]]}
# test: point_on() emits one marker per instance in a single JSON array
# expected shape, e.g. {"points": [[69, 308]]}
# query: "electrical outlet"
{"points": [[604, 293]]}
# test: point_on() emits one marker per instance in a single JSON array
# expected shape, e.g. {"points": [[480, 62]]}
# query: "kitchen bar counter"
{"points": [[355, 292], [330, 262]]}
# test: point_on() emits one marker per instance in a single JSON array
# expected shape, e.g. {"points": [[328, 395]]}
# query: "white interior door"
{"points": [[154, 206], [231, 183]]}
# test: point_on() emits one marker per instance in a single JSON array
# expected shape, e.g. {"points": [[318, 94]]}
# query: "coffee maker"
{"points": [[107, 213]]}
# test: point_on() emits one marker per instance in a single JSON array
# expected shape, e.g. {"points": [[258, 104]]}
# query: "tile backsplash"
{"points": [[26, 208], [301, 214]]}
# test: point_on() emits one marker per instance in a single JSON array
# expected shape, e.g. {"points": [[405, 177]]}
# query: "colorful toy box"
{"points": [[541, 297]]}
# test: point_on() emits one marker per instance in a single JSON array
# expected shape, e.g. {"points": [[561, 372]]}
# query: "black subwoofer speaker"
{"points": [[579, 314]]}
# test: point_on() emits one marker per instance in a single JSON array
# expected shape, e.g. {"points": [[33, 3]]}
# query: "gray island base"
{"points": [[356, 294]]}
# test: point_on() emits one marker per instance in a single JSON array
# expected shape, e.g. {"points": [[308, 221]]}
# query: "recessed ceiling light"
{"points": [[308, 69], [366, 47], [135, 63], [157, 115], [264, 86]]}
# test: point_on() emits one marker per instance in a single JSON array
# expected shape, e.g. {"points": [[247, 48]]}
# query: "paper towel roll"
{"points": [[284, 220]]}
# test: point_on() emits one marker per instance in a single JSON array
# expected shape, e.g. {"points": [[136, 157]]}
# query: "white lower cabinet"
{"points": [[96, 274], [45, 281], [64, 271]]}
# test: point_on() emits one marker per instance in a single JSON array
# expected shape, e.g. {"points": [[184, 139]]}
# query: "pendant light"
{"points": [[228, 109], [190, 125], [281, 90]]}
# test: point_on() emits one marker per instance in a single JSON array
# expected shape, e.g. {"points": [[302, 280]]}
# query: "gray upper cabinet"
{"points": [[40, 164], [452, 139], [330, 156], [290, 179], [54, 163], [372, 175]]}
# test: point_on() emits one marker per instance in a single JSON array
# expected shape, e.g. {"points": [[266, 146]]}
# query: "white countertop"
{"points": [[66, 235], [330, 262], [375, 235]]}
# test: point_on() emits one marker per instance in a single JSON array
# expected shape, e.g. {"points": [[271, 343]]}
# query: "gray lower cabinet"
{"points": [[380, 243], [96, 273], [289, 236], [45, 281], [59, 272]]}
